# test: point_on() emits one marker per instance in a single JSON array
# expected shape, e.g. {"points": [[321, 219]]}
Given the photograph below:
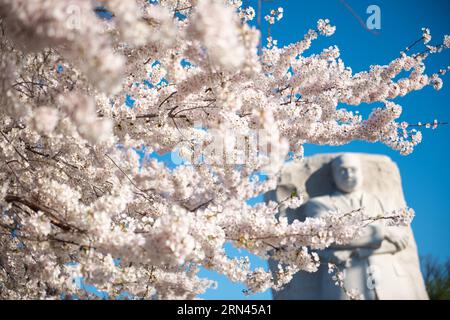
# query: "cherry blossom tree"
{"points": [[90, 91]]}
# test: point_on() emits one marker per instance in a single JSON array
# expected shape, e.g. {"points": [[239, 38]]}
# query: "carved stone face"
{"points": [[347, 173]]}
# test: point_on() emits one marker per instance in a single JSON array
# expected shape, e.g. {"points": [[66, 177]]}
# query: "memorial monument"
{"points": [[382, 263]]}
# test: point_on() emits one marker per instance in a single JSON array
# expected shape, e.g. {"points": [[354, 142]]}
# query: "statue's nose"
{"points": [[349, 176]]}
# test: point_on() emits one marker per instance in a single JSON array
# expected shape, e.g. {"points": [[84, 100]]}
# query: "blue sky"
{"points": [[425, 173]]}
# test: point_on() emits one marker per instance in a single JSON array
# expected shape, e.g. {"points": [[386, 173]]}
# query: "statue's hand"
{"points": [[398, 239], [340, 256]]}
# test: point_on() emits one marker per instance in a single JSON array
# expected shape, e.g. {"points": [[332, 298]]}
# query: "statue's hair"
{"points": [[345, 158]]}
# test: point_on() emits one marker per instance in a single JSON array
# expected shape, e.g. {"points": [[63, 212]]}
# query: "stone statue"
{"points": [[380, 264]]}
